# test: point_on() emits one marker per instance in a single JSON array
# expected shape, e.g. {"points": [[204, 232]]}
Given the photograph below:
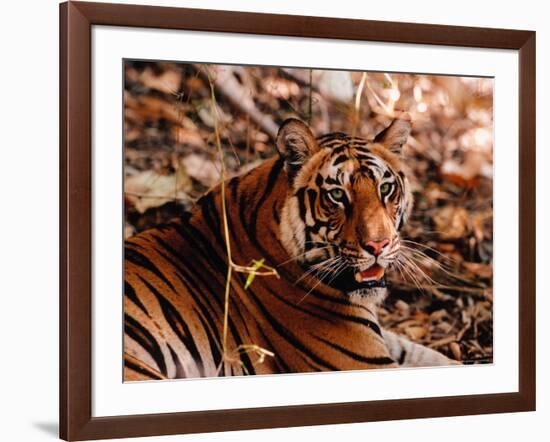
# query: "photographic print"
{"points": [[287, 220]]}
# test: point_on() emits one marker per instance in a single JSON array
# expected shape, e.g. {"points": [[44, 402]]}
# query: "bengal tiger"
{"points": [[326, 213]]}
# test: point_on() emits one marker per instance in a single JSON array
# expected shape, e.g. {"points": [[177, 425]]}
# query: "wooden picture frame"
{"points": [[76, 21]]}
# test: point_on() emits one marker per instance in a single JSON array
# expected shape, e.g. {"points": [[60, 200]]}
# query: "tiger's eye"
{"points": [[385, 188], [336, 194]]}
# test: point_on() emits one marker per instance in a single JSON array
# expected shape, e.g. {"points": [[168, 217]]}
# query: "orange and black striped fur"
{"points": [[326, 214]]}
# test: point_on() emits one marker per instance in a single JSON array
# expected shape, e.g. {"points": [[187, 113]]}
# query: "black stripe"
{"points": [[324, 201], [201, 247], [300, 195], [214, 344], [360, 146], [178, 325], [340, 149], [382, 360], [244, 207], [142, 370], [132, 296], [290, 337], [372, 163], [234, 237], [343, 300], [356, 319], [176, 258], [401, 222], [180, 370], [382, 134], [204, 311], [312, 196], [276, 216], [336, 135], [141, 260], [197, 294], [340, 159], [402, 357], [319, 180], [247, 362], [363, 156], [189, 268], [192, 237], [143, 337], [365, 169], [271, 179], [210, 292], [233, 187], [298, 307], [211, 216], [316, 227]]}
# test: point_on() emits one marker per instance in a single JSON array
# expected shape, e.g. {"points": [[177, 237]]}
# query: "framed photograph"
{"points": [[272, 220]]}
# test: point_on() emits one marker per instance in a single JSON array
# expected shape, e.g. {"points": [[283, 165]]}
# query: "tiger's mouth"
{"points": [[373, 273], [353, 281]]}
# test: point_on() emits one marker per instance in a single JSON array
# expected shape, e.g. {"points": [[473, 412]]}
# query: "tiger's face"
{"points": [[347, 200]]}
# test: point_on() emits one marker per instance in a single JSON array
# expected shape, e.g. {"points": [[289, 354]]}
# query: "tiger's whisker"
{"points": [[294, 258], [425, 247], [321, 280], [317, 268], [419, 272], [410, 274], [416, 254]]}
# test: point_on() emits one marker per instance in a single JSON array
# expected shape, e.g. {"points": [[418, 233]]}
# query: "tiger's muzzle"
{"points": [[367, 266]]}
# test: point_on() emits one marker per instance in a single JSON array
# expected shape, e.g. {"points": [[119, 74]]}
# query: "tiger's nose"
{"points": [[375, 247]]}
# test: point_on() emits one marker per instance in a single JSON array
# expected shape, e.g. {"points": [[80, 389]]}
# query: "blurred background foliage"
{"points": [[171, 160]]}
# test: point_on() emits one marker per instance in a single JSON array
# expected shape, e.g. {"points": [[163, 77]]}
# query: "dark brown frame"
{"points": [[76, 20]]}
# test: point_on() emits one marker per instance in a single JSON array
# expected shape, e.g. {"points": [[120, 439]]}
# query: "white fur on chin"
{"points": [[374, 295]]}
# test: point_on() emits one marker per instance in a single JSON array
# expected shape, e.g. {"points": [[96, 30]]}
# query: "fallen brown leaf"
{"points": [[451, 222]]}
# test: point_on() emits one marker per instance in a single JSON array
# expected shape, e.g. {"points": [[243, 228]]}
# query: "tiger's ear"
{"points": [[295, 143], [395, 135]]}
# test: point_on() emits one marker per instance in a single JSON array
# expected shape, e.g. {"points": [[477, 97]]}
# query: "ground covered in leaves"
{"points": [[446, 302]]}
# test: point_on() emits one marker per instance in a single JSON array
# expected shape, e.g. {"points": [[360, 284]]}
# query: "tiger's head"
{"points": [[347, 199]]}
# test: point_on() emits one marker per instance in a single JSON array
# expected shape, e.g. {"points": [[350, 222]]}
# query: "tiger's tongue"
{"points": [[374, 272]]}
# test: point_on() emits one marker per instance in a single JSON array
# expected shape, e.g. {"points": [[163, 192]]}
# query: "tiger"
{"points": [[326, 213]]}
